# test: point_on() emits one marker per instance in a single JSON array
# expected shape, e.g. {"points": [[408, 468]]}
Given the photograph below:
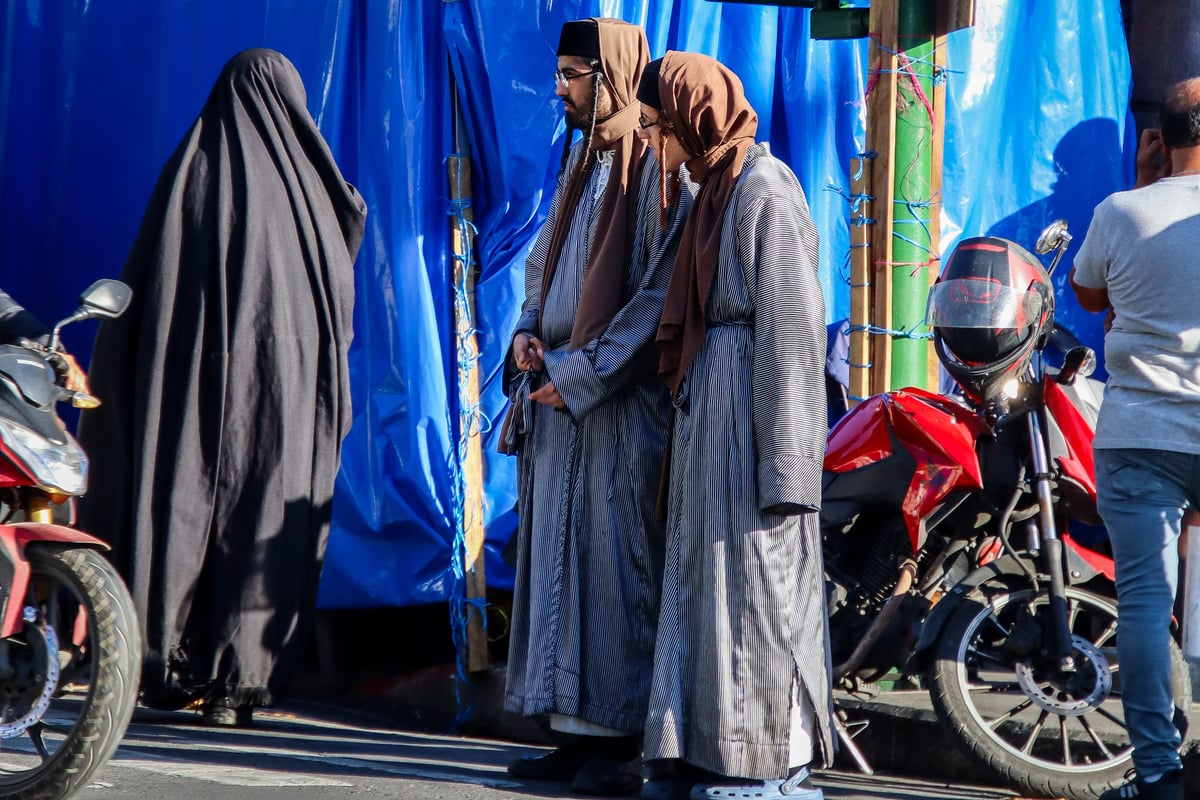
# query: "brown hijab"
{"points": [[704, 103], [623, 54]]}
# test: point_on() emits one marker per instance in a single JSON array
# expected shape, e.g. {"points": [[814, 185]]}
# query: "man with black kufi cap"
{"points": [[588, 425]]}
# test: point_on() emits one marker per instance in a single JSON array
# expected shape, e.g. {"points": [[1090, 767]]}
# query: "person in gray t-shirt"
{"points": [[1140, 261]]}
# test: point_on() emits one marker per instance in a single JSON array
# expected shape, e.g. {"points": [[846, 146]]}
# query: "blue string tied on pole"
{"points": [[471, 422]]}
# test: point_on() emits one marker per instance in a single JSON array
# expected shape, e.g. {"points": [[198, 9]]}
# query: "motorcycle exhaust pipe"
{"points": [[908, 573]]}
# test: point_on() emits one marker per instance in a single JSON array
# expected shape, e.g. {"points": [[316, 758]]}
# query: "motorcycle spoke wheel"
{"points": [[1036, 728]]}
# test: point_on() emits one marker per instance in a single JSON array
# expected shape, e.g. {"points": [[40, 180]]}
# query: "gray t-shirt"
{"points": [[1144, 247]]}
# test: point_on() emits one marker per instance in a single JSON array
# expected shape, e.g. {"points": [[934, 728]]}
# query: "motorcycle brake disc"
{"points": [[1090, 662], [37, 635]]}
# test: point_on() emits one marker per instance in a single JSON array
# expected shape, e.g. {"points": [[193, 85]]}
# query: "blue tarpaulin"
{"points": [[95, 96]]}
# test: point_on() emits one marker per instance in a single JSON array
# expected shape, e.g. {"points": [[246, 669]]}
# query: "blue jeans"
{"points": [[1142, 495]]}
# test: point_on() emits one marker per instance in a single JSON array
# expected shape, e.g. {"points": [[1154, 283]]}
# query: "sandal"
{"points": [[798, 786]]}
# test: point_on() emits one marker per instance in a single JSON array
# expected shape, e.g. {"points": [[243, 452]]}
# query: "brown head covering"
{"points": [[705, 106], [623, 54]]}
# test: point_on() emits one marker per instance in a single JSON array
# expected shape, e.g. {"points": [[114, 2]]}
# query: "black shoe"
{"points": [[672, 779], [222, 712], [608, 777], [219, 712], [559, 764], [1168, 787], [562, 763]]}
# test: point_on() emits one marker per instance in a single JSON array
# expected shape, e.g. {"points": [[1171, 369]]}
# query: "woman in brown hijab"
{"points": [[741, 703]]}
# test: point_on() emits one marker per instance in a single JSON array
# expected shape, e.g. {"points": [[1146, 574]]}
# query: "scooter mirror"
{"points": [[106, 298], [1054, 234]]}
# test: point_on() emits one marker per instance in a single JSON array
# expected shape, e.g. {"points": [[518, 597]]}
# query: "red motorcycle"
{"points": [[70, 648], [953, 536]]}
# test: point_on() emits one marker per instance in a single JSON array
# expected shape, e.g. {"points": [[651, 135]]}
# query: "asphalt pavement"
{"points": [[388, 738], [896, 733], [311, 751]]}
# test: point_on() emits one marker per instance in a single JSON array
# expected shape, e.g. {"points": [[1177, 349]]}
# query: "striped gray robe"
{"points": [[589, 560], [742, 628]]}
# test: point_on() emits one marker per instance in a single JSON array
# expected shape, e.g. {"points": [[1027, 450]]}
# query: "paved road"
{"points": [[312, 752]]}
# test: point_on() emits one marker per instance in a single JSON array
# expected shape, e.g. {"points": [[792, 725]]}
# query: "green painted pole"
{"points": [[911, 193]]}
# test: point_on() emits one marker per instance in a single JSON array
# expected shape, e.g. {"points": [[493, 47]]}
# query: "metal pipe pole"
{"points": [[913, 269]]}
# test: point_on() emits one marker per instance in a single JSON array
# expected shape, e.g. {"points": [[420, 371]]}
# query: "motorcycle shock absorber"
{"points": [[37, 509], [1052, 548]]}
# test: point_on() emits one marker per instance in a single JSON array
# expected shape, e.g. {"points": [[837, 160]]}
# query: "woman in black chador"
{"points": [[226, 394]]}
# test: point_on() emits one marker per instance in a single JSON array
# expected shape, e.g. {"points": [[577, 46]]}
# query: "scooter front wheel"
{"points": [[1039, 729], [68, 677]]}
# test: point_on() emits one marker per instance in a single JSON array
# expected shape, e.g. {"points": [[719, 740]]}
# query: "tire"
{"points": [[81, 719], [1009, 712]]}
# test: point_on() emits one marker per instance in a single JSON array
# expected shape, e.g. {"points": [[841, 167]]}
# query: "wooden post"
{"points": [[861, 276], [467, 347], [935, 165], [881, 135]]}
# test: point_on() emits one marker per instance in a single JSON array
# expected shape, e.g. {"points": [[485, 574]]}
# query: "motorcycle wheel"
{"points": [[68, 677], [1034, 728]]}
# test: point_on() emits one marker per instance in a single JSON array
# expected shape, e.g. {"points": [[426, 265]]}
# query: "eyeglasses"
{"points": [[563, 79], [644, 123]]}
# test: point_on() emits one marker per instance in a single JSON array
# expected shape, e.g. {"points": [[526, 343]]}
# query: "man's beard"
{"points": [[578, 118]]}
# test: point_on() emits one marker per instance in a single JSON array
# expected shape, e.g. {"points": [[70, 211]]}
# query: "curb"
{"points": [[903, 735], [900, 738]]}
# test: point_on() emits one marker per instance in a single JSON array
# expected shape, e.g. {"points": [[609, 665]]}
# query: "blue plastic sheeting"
{"points": [[1038, 128], [94, 96]]}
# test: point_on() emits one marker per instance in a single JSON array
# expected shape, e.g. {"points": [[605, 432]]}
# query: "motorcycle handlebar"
{"points": [[53, 356]]}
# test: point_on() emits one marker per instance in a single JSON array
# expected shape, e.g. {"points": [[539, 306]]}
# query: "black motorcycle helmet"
{"points": [[991, 308]]}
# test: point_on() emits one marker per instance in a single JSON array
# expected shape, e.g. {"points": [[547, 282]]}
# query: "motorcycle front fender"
{"points": [[1079, 570], [14, 567]]}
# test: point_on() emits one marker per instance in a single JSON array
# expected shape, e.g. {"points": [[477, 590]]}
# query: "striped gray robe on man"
{"points": [[742, 630], [585, 604]]}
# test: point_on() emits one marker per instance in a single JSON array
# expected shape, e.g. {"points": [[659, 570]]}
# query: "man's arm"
{"points": [[1152, 160], [1090, 299], [583, 379], [16, 322]]}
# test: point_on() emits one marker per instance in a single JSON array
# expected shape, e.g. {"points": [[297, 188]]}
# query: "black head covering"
{"points": [[648, 91], [579, 38], [226, 390]]}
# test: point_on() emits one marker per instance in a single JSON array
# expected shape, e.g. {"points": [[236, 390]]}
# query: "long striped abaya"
{"points": [[742, 636], [590, 549]]}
